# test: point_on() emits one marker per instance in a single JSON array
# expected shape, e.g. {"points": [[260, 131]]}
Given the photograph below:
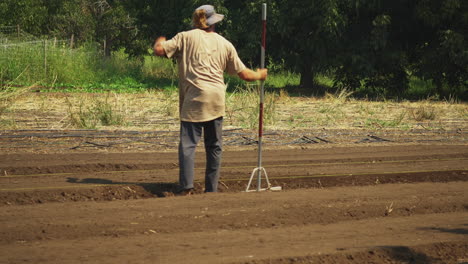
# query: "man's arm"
{"points": [[249, 75], [158, 49]]}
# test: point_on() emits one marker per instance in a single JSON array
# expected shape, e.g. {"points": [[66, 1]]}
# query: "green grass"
{"points": [[324, 80], [83, 69], [54, 65]]}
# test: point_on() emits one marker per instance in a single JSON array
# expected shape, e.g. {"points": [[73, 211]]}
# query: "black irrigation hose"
{"points": [[233, 137]]}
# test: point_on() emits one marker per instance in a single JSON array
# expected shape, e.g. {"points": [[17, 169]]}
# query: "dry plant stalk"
{"points": [[388, 209], [423, 113], [91, 112], [9, 95]]}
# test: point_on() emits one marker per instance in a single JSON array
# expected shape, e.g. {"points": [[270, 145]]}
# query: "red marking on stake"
{"points": [[264, 34], [260, 127]]}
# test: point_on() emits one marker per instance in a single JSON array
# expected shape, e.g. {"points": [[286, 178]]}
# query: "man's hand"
{"points": [[263, 73], [158, 49]]}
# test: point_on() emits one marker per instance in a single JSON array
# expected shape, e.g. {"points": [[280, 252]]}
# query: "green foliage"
{"points": [[102, 21], [300, 35], [53, 64], [32, 15], [72, 18], [441, 53], [373, 47]]}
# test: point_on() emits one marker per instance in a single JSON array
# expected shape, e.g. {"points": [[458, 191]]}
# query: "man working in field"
{"points": [[202, 57]]}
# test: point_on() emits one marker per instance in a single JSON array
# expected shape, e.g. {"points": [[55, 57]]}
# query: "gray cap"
{"points": [[211, 16]]}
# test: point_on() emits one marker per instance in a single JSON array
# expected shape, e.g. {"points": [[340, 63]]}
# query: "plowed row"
{"points": [[367, 204]]}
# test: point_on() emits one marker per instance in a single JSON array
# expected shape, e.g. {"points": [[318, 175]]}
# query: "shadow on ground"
{"points": [[158, 189]]}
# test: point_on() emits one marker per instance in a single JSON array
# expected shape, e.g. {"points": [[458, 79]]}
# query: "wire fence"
{"points": [[32, 60], [25, 59], [13, 34]]}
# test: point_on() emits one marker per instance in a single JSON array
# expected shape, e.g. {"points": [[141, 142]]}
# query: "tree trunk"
{"points": [[439, 87], [107, 47], [308, 80]]}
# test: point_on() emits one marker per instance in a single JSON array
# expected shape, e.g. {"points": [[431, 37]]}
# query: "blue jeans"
{"points": [[190, 134]]}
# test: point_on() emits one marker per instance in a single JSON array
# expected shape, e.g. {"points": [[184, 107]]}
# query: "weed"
{"points": [[284, 96], [399, 118], [324, 108], [341, 96], [389, 209], [7, 123], [423, 113], [90, 115], [106, 113], [379, 123], [452, 99], [366, 109], [82, 117]]}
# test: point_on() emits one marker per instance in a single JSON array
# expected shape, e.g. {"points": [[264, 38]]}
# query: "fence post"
{"points": [[72, 40], [18, 30], [45, 59]]}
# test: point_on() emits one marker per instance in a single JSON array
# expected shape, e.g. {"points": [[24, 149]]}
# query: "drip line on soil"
{"points": [[233, 137]]}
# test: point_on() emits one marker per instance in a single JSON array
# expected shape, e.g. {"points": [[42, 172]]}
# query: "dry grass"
{"points": [[243, 107], [336, 112], [9, 96], [158, 110], [92, 112]]}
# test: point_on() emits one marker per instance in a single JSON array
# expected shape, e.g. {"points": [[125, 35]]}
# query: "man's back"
{"points": [[202, 58]]}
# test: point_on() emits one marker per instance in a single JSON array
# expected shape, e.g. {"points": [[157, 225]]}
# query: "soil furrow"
{"points": [[215, 245], [455, 252], [224, 212], [31, 191], [339, 204]]}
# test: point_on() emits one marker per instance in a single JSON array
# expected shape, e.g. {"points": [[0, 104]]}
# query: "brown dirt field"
{"points": [[63, 200]]}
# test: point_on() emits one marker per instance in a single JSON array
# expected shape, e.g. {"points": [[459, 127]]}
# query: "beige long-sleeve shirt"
{"points": [[202, 58]]}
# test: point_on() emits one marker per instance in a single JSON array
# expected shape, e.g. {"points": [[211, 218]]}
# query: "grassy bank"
{"points": [[53, 65], [130, 93]]}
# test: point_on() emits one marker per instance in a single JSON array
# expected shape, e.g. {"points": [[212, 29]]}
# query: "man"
{"points": [[202, 57]]}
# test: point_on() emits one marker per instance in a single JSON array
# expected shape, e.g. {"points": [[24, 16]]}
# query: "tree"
{"points": [[114, 26], [31, 15], [373, 46], [440, 52], [72, 17], [102, 21], [301, 33]]}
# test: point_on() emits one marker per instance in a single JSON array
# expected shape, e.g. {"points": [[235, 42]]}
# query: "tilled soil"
{"points": [[378, 203]]}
